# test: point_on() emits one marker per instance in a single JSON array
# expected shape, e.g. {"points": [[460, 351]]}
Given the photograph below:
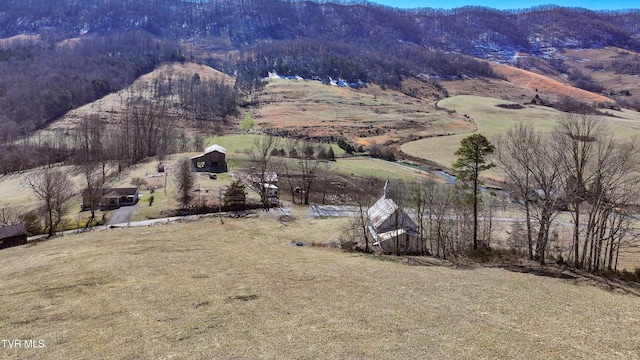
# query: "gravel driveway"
{"points": [[121, 215]]}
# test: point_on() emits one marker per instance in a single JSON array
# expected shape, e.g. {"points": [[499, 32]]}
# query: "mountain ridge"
{"points": [[56, 56]]}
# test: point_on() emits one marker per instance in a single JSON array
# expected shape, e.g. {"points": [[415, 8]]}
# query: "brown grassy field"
{"points": [[16, 194], [202, 290], [309, 108], [583, 59]]}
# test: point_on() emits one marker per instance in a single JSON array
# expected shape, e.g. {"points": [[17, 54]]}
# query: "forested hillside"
{"points": [[41, 81], [56, 55]]}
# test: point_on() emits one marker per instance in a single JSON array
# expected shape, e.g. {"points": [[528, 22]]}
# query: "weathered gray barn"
{"points": [[13, 236], [391, 227], [213, 160]]}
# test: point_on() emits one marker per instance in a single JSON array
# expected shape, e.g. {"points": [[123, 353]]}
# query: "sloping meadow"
{"points": [[243, 289]]}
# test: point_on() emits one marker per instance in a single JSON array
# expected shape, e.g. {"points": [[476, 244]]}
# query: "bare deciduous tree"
{"points": [[91, 156], [575, 140], [263, 165], [612, 188], [514, 153], [534, 175], [310, 167], [551, 197], [54, 188], [581, 166], [94, 180], [10, 215]]}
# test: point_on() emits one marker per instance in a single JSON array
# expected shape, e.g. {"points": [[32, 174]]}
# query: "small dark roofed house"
{"points": [[110, 198], [213, 160], [13, 236], [392, 228]]}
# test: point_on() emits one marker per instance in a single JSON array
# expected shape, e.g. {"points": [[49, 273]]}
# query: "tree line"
{"points": [[248, 21], [354, 41], [580, 167]]}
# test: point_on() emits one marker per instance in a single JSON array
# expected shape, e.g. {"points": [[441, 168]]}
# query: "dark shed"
{"points": [[13, 235]]}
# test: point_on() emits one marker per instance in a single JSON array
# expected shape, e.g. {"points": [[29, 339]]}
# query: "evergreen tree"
{"points": [[235, 194], [472, 158], [185, 181]]}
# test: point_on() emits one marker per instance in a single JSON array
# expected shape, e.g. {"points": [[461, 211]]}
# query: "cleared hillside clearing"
{"points": [[110, 109], [521, 86], [546, 86], [491, 88], [203, 290], [309, 108]]}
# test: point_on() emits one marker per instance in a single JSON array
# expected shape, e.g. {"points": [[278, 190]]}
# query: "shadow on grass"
{"points": [[578, 277], [547, 272]]}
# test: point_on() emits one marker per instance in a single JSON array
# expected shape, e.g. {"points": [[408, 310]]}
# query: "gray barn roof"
{"points": [[11, 231], [386, 215]]}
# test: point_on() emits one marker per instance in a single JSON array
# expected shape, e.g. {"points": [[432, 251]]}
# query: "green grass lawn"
{"points": [[237, 143], [205, 290], [374, 168]]}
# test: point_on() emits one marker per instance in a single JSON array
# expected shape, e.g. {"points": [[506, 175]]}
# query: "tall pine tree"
{"points": [[472, 159]]}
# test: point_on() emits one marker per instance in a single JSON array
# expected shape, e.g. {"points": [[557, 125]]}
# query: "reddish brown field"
{"points": [[521, 86], [370, 115], [545, 85]]}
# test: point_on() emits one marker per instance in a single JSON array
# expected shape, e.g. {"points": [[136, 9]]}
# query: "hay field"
{"points": [[367, 116], [375, 168], [492, 120], [202, 290]]}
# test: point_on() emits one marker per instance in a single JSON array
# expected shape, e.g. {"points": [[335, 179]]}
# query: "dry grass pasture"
{"points": [[589, 61], [240, 290], [15, 193], [492, 120], [309, 108]]}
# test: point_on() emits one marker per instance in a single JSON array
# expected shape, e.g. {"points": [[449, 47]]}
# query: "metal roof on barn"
{"points": [[215, 147], [386, 214], [383, 209]]}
